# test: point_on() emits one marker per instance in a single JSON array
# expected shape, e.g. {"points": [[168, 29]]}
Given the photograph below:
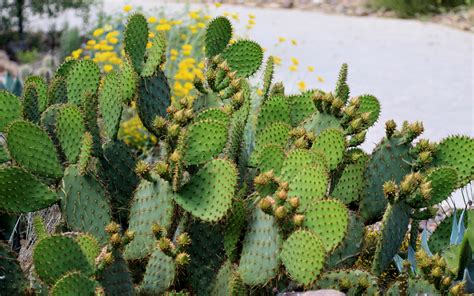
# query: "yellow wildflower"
{"points": [[235, 16], [277, 60], [183, 37], [194, 14], [127, 8], [294, 42], [152, 19], [87, 57], [320, 79], [163, 27], [173, 52], [232, 41], [301, 85], [293, 68], [76, 54], [108, 68], [149, 44], [259, 92], [187, 47], [310, 69], [217, 4], [251, 16], [251, 22], [113, 40], [281, 39], [295, 61], [207, 17], [201, 25], [188, 86], [163, 21], [91, 42], [177, 22], [173, 58], [98, 32], [151, 35]]}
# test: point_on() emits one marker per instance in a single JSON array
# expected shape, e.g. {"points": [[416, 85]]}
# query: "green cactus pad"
{"points": [[57, 255], [360, 282], [159, 274], [83, 79], [234, 226], [116, 278], [275, 109], [41, 91], [31, 148], [65, 68], [440, 238], [152, 203], [30, 100], [294, 162], [303, 256], [208, 195], [85, 156], [413, 287], [332, 143], [213, 114], [268, 76], [228, 282], [135, 40], [204, 140], [154, 97], [319, 122], [271, 158], [389, 161], [301, 107], [110, 104], [218, 35], [89, 246], [309, 185], [457, 152], [73, 284], [236, 132], [350, 185], [346, 254], [329, 220], [48, 121], [369, 103], [4, 157], [244, 56], [10, 108], [276, 134], [260, 260], [57, 91], [84, 204], [128, 81], [156, 55], [20, 192], [70, 129], [394, 227], [13, 280], [443, 182]]}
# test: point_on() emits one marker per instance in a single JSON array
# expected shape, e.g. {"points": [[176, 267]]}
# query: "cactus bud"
{"points": [[269, 174], [345, 284], [350, 111], [179, 116], [425, 190], [356, 124], [310, 136], [165, 244], [416, 128], [266, 204], [390, 128], [232, 75], [281, 212], [336, 105], [161, 168], [173, 130], [446, 281], [115, 240], [183, 240], [298, 220], [390, 191], [284, 186], [260, 180], [108, 258], [182, 259], [227, 109], [297, 132], [188, 114], [157, 230], [282, 195], [294, 202], [159, 123], [425, 157], [363, 282], [224, 66], [175, 156], [112, 228], [301, 143], [236, 83], [436, 272], [457, 289], [142, 169], [128, 236]]}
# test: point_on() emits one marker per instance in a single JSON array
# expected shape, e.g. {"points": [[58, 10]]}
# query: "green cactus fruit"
{"points": [[74, 283], [303, 256], [83, 79], [244, 56], [56, 255], [274, 110], [57, 91], [443, 183], [309, 185], [84, 204], [152, 203], [271, 158], [319, 122], [204, 140], [218, 35], [41, 91], [413, 287], [90, 111], [65, 68], [440, 238], [457, 152], [136, 39], [128, 81], [20, 192], [30, 100], [369, 103], [13, 280], [329, 220], [156, 55], [351, 183], [207, 255], [234, 226], [85, 156], [110, 104], [228, 282], [394, 227], [259, 264], [31, 148], [213, 114], [159, 275], [268, 76], [276, 133], [389, 161], [347, 252], [70, 129], [342, 89], [118, 170], [332, 143], [116, 278], [154, 97], [10, 109], [361, 282], [301, 107], [208, 195]]}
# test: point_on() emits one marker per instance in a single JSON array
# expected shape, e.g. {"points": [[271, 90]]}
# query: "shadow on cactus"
{"points": [[230, 206]]}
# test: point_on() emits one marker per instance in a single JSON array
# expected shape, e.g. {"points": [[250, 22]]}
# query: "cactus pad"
{"points": [[31, 148], [57, 91], [271, 158], [360, 282], [228, 282], [276, 134], [128, 80], [457, 152], [260, 264], [10, 108], [89, 246], [294, 162], [74, 283], [301, 107], [83, 79], [268, 76], [208, 195], [57, 255], [331, 142], [159, 274], [218, 35], [309, 185], [413, 287], [303, 256], [329, 220], [443, 182], [41, 91], [135, 40], [116, 278], [110, 103], [440, 238], [13, 281], [156, 55], [369, 103], [70, 129], [244, 56], [151, 204], [350, 185], [319, 122], [30, 97], [234, 227], [275, 109], [204, 140], [84, 204]]}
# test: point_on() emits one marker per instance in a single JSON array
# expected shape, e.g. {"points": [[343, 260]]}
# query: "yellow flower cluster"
{"points": [[188, 68], [134, 134]]}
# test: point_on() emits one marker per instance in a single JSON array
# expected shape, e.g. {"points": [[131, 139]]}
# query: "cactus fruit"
{"points": [[74, 283]]}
